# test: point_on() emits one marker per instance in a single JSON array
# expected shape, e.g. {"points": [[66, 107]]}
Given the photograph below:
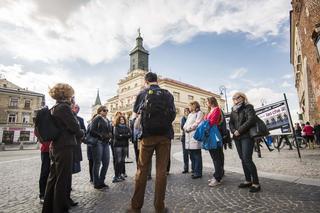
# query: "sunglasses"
{"points": [[105, 110], [236, 98]]}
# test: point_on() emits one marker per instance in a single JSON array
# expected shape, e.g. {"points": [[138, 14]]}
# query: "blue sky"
{"points": [[205, 43]]}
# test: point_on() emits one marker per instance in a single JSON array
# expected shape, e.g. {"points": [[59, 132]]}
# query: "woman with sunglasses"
{"points": [[242, 118], [101, 129]]}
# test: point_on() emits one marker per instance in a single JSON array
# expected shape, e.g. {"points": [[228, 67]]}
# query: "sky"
{"points": [[242, 45]]}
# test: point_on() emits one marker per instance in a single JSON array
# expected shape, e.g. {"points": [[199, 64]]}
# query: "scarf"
{"points": [[237, 106]]}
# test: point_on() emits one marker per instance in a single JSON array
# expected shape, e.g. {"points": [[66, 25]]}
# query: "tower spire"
{"points": [[98, 101], [139, 57]]}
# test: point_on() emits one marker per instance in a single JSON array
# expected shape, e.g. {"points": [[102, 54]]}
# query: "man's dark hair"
{"points": [[151, 77]]}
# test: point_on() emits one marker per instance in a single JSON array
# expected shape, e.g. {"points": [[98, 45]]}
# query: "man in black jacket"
{"points": [[153, 139]]}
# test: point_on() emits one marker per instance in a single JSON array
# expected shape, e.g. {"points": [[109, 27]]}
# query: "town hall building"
{"points": [[130, 86]]}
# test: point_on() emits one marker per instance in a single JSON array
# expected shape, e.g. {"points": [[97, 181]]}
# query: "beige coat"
{"points": [[193, 121]]}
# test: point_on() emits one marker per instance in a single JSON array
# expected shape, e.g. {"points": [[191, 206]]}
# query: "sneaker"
{"points": [[254, 189], [196, 176], [214, 182], [245, 185], [98, 187], [105, 186], [211, 179], [117, 179], [185, 171]]}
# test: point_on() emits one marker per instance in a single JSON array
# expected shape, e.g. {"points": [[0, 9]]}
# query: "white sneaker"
{"points": [[211, 180], [214, 182]]}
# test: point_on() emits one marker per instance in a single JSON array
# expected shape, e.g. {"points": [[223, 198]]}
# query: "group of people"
{"points": [[308, 132], [242, 118], [151, 132]]}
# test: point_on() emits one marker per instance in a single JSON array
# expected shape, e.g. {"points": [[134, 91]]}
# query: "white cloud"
{"points": [[238, 73], [287, 76], [97, 31], [85, 88], [285, 84]]}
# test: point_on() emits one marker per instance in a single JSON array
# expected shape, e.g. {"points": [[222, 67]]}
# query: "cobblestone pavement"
{"points": [[283, 165], [19, 191]]}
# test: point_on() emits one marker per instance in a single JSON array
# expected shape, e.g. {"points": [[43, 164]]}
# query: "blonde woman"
{"points": [[194, 119], [57, 195], [242, 118]]}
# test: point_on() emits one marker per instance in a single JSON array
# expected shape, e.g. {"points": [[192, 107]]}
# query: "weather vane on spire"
{"points": [[139, 33]]}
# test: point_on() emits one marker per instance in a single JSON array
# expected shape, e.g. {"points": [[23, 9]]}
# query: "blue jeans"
{"points": [[101, 154], [196, 160], [120, 156], [245, 151]]}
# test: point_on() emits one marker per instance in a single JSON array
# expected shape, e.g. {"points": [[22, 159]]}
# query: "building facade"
{"points": [[305, 56], [17, 108], [133, 83]]}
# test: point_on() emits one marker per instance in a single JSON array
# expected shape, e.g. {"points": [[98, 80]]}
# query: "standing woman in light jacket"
{"points": [[242, 118], [215, 117], [100, 129], [194, 119]]}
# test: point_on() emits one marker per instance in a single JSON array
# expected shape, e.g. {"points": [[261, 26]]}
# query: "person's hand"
{"points": [[236, 133]]}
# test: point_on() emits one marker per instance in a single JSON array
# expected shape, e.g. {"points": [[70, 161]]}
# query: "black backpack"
{"points": [[156, 112], [45, 126], [225, 133]]}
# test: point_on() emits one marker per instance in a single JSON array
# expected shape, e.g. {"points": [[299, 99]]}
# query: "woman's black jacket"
{"points": [[101, 129], [121, 135], [242, 120]]}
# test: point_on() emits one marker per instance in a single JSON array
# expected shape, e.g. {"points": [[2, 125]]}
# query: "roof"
{"points": [[8, 87], [187, 85]]}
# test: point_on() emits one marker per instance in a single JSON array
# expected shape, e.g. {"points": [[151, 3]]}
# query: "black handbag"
{"points": [[259, 129]]}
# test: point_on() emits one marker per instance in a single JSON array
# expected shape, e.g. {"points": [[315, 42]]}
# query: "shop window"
{"points": [[24, 136], [7, 136]]}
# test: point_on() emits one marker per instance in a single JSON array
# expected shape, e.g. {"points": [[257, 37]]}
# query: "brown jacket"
{"points": [[68, 123]]}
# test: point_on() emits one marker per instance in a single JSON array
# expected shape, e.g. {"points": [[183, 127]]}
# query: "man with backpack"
{"points": [[157, 110]]}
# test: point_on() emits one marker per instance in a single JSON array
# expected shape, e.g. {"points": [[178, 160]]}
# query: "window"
{"points": [[203, 101], [190, 97], [25, 118], [176, 96], [12, 118], [27, 104], [13, 102]]}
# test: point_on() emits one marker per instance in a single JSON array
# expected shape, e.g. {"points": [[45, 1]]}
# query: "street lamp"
{"points": [[223, 90]]}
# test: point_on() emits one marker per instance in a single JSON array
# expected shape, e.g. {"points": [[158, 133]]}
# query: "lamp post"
{"points": [[223, 90]]}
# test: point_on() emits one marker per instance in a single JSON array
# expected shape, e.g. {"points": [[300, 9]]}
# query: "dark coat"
{"points": [[68, 125], [183, 121], [101, 129], [77, 154], [121, 136], [140, 101], [242, 120]]}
